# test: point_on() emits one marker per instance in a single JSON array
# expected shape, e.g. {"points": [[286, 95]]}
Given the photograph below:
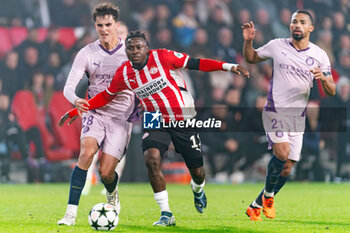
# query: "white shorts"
{"points": [[280, 128], [112, 134]]}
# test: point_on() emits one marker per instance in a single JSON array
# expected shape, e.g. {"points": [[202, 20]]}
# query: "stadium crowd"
{"points": [[40, 39]]}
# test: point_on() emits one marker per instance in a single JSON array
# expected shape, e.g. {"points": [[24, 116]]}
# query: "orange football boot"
{"points": [[254, 213], [268, 207]]}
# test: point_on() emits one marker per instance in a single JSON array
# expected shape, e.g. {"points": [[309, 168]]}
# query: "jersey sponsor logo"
{"points": [[295, 70], [151, 120], [104, 76], [179, 55], [310, 61], [151, 88], [153, 70]]}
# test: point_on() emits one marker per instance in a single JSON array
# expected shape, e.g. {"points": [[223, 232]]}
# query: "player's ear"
{"points": [[312, 27]]}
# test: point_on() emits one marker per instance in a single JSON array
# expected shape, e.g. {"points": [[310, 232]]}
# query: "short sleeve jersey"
{"points": [[159, 85], [292, 79], [100, 65]]}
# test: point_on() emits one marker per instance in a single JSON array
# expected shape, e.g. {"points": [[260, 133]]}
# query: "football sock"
{"points": [[274, 169], [77, 182], [255, 205], [258, 200], [197, 188], [281, 181], [111, 187], [162, 200]]}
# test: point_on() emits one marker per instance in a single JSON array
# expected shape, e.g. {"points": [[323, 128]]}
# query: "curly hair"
{"points": [[104, 9], [137, 34]]}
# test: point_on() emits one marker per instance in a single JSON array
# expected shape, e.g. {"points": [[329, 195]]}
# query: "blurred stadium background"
{"points": [[39, 40]]}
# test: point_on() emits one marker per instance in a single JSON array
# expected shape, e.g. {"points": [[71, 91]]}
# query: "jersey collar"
{"points": [[111, 52]]}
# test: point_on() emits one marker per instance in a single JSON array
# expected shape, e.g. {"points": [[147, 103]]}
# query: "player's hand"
{"points": [[81, 105], [318, 74], [248, 31], [240, 71], [64, 118]]}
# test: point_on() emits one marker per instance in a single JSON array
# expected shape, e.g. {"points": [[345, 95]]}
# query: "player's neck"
{"points": [[111, 44], [301, 44]]}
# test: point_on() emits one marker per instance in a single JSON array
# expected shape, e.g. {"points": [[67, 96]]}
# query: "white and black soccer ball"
{"points": [[103, 217]]}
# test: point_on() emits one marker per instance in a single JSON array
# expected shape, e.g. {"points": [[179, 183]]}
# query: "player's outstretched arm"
{"points": [[99, 100], [208, 65], [249, 53]]}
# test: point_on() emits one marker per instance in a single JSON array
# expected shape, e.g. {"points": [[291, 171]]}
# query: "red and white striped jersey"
{"points": [[159, 85]]}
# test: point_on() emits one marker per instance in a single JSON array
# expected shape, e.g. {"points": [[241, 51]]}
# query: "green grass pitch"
{"points": [[301, 207]]}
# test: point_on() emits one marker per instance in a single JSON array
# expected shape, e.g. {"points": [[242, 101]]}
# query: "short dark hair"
{"points": [[137, 34], [104, 9], [303, 11]]}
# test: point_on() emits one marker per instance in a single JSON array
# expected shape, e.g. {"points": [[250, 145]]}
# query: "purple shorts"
{"points": [[112, 134], [280, 128]]}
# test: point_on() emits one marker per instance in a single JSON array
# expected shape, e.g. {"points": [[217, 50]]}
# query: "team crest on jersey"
{"points": [[153, 70], [179, 55], [310, 61]]}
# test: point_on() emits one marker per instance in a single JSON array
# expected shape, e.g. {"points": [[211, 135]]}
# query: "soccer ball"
{"points": [[103, 217]]}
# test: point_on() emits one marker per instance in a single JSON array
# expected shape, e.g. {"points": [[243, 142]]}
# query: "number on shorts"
{"points": [[274, 123], [196, 144], [89, 121]]}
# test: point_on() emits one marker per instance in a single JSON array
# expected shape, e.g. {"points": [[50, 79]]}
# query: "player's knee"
{"points": [[86, 154], [85, 158], [282, 151]]}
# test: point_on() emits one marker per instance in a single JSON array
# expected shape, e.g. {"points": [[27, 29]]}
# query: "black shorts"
{"points": [[186, 142]]}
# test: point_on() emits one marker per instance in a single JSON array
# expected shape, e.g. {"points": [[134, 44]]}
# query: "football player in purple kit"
{"points": [[108, 128], [296, 63]]}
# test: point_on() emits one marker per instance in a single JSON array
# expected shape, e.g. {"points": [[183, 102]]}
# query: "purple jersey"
{"points": [[100, 65], [292, 79]]}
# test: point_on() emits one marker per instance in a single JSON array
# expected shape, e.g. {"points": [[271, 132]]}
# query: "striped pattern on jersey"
{"points": [[156, 85]]}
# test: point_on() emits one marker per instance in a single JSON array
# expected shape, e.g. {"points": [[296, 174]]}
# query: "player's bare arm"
{"points": [[209, 65], [249, 53], [327, 81]]}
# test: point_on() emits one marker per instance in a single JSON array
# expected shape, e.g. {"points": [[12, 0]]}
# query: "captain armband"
{"points": [[328, 73]]}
